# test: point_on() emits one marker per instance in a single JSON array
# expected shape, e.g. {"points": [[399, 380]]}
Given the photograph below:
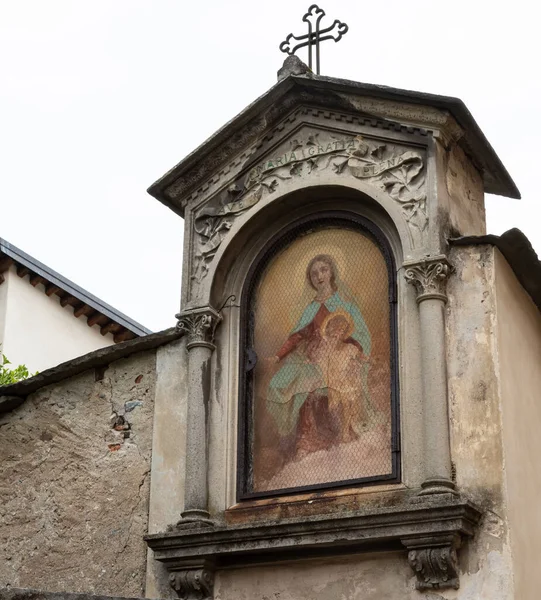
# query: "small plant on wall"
{"points": [[8, 376]]}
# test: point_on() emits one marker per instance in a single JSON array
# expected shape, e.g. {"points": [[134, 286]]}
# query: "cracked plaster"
{"points": [[74, 490]]}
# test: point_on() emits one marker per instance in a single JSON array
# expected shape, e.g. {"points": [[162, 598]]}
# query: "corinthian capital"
{"points": [[429, 277], [199, 325]]}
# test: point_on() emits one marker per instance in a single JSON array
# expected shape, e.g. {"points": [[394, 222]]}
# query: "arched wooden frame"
{"points": [[287, 236]]}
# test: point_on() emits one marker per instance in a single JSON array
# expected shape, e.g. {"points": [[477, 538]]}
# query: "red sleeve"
{"points": [[292, 342]]}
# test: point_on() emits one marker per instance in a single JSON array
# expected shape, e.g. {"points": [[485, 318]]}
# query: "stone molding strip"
{"points": [[12, 396], [518, 252], [30, 594]]}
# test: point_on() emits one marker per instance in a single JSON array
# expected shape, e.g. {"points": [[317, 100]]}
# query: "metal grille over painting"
{"points": [[319, 406]]}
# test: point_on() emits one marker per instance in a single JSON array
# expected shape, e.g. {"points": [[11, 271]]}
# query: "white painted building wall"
{"points": [[3, 307], [39, 333]]}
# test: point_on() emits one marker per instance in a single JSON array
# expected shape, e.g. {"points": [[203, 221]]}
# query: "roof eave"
{"points": [[475, 138], [496, 177], [69, 287]]}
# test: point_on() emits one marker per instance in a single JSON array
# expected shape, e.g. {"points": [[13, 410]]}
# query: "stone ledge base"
{"points": [[431, 528]]}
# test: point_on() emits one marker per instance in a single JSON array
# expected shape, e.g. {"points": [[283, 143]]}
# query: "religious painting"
{"points": [[320, 382]]}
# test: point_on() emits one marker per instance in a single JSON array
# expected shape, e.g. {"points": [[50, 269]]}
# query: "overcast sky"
{"points": [[99, 99]]}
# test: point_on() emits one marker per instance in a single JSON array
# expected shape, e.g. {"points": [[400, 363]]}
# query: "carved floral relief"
{"points": [[391, 168]]}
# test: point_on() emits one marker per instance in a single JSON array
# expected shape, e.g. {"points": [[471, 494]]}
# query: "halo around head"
{"points": [[307, 252], [334, 315]]}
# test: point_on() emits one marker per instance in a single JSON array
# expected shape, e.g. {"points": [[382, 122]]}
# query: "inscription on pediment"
{"points": [[391, 168]]}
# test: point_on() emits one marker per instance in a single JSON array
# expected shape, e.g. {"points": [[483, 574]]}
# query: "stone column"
{"points": [[429, 278], [199, 326]]}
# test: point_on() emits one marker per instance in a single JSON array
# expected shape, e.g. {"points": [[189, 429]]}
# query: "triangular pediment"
{"points": [[311, 142], [253, 133], [315, 147]]}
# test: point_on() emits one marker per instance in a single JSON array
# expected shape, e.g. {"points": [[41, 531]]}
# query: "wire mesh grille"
{"points": [[320, 395]]}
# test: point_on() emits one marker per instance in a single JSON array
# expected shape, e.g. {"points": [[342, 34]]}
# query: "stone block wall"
{"points": [[75, 479]]}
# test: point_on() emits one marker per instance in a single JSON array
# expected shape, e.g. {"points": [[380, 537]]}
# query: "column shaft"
{"points": [[430, 277], [199, 326], [196, 485], [434, 383]]}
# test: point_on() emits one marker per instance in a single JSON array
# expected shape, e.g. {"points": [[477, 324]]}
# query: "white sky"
{"points": [[99, 99]]}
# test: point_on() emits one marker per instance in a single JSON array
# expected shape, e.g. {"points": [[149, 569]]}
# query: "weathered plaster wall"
{"points": [[375, 576], [465, 189], [460, 209], [56, 335], [519, 348], [74, 487], [475, 416], [362, 577], [168, 455]]}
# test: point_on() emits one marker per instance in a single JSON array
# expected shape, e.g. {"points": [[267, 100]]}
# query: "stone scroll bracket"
{"points": [[434, 561], [193, 580]]}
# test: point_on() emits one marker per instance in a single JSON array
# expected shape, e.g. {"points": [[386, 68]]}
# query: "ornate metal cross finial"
{"points": [[314, 35]]}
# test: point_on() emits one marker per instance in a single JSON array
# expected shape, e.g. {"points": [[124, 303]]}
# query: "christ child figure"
{"points": [[342, 364]]}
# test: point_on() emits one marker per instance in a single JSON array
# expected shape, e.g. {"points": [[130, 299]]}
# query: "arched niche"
{"points": [[282, 205], [318, 386], [251, 230], [229, 278]]}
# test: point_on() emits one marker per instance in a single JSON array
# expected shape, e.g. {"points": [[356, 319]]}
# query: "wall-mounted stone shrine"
{"points": [[317, 304]]}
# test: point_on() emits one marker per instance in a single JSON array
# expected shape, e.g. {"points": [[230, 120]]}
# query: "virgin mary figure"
{"points": [[319, 396]]}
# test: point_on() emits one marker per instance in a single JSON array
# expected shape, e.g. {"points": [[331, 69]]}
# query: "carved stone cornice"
{"points": [[430, 528], [434, 561], [199, 326], [429, 277], [196, 582], [439, 122]]}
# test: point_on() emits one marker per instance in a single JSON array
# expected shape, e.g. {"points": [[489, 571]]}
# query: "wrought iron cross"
{"points": [[315, 35]]}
